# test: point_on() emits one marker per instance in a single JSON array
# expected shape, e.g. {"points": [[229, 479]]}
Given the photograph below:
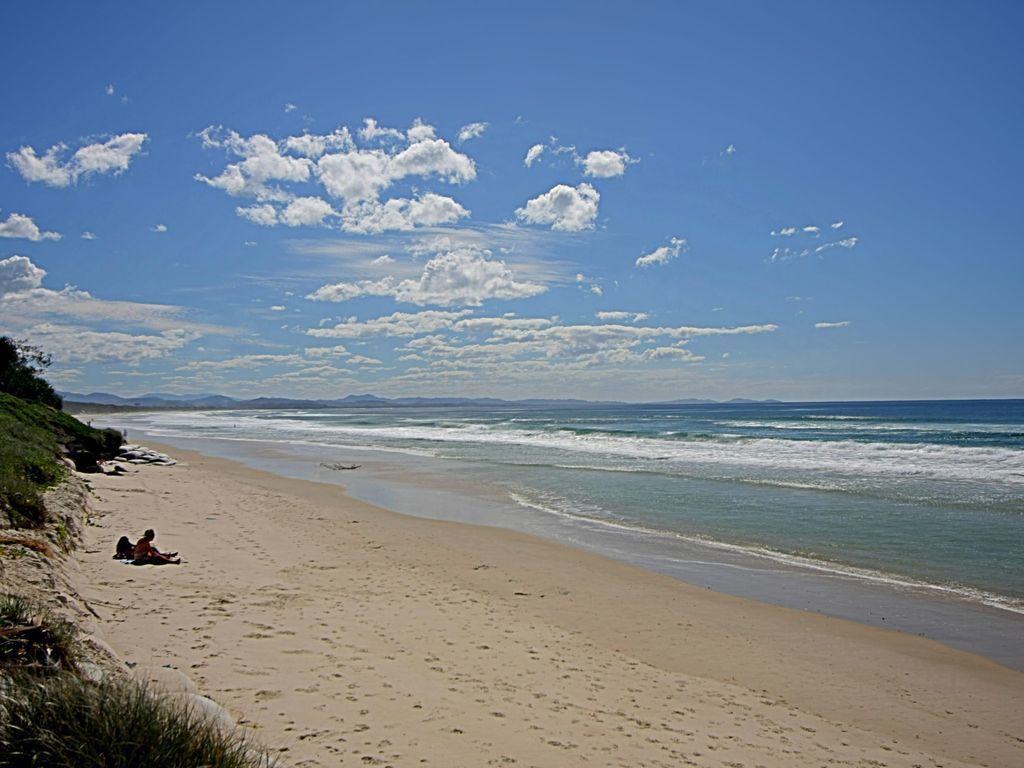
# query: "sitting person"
{"points": [[146, 554], [125, 549]]}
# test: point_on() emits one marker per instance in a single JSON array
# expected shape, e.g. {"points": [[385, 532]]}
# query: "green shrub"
{"points": [[67, 722], [32, 439]]}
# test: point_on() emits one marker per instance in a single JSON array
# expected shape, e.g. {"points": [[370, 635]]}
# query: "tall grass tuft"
{"points": [[67, 722], [32, 639]]}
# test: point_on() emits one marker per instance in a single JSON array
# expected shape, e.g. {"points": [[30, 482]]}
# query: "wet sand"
{"points": [[345, 634]]}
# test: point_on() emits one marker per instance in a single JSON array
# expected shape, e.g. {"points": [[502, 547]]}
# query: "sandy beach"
{"points": [[344, 634]]}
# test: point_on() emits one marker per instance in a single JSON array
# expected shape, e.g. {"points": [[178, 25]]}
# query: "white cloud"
{"points": [[278, 308], [269, 171], [420, 131], [289, 107], [109, 90], [813, 230], [472, 131], [605, 163], [306, 211], [371, 131], [24, 301], [160, 228], [262, 162], [242, 362], [465, 276], [383, 261], [837, 224], [565, 208], [265, 215], [785, 232], [112, 156], [19, 225], [849, 242], [338, 350], [840, 324], [730, 150], [663, 254], [18, 274], [73, 344], [533, 154], [396, 324], [89, 235], [635, 317], [313, 145], [363, 360], [430, 210]]}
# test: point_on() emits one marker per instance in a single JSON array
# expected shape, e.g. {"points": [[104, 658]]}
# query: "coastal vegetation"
{"points": [[56, 708], [35, 435]]}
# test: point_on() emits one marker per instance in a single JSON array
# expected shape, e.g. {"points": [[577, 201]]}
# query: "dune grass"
{"points": [[64, 721]]}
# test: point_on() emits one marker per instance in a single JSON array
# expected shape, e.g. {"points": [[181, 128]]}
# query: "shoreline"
{"points": [[425, 487], [332, 627]]}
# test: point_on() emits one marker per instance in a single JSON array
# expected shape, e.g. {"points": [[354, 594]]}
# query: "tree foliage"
{"points": [[21, 367]]}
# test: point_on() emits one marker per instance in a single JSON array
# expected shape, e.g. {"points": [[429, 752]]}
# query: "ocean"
{"points": [[859, 509]]}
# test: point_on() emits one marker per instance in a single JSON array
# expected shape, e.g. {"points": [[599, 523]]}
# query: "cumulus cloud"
{"points": [[262, 163], [19, 225], [372, 131], [87, 235], [472, 131], [111, 156], [565, 208], [265, 215], [306, 211], [357, 177], [429, 210], [18, 274], [160, 228], [730, 150], [663, 254], [533, 154], [605, 163], [464, 276], [840, 324]]}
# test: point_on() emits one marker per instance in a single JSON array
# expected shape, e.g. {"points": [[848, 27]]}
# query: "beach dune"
{"points": [[344, 634]]}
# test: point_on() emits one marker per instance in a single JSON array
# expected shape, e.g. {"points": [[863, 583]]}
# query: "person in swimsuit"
{"points": [[146, 554]]}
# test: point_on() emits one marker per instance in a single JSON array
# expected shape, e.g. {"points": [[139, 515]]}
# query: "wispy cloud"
{"points": [[472, 131], [663, 254], [840, 324]]}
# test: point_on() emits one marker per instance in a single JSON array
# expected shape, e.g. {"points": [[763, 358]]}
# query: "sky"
{"points": [[642, 201]]}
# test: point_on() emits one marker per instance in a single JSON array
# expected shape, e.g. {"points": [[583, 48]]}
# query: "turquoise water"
{"points": [[926, 494]]}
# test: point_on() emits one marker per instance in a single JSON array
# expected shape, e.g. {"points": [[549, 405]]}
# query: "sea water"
{"points": [[925, 496]]}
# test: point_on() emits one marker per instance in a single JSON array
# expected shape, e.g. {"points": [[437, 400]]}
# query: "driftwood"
{"points": [[340, 466]]}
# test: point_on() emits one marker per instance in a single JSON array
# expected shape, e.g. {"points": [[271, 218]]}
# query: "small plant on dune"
{"points": [[32, 639], [67, 722]]}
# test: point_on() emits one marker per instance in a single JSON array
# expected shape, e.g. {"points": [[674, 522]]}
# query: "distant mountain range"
{"points": [[163, 400]]}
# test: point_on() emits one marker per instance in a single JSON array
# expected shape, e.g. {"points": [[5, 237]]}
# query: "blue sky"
{"points": [[645, 201]]}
